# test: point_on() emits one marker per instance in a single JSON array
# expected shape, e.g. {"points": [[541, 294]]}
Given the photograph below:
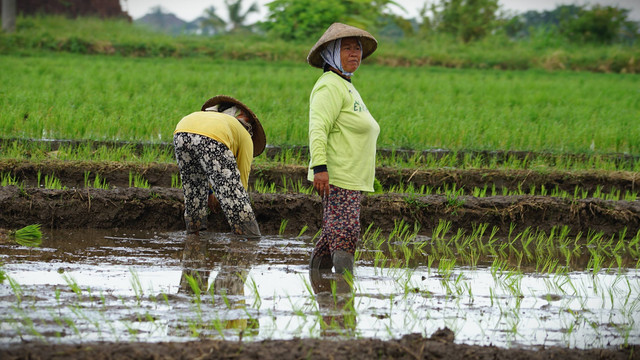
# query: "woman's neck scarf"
{"points": [[331, 55]]}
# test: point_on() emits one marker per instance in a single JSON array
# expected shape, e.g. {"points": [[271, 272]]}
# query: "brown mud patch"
{"points": [[162, 209], [439, 346]]}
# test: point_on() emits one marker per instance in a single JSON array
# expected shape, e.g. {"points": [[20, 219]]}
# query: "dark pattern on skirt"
{"points": [[340, 222], [203, 161]]}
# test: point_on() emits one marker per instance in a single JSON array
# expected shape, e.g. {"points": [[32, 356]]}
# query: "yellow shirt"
{"points": [[225, 129], [342, 134]]}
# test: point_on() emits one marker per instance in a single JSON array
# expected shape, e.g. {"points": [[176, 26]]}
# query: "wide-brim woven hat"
{"points": [[259, 138], [338, 31]]}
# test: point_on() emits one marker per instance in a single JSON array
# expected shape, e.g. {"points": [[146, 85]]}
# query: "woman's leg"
{"points": [[222, 171], [194, 180], [340, 229]]}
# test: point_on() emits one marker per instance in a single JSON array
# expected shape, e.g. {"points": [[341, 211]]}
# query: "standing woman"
{"points": [[214, 150], [342, 143]]}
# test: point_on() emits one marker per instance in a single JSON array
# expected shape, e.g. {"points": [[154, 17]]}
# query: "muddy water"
{"points": [[122, 285]]}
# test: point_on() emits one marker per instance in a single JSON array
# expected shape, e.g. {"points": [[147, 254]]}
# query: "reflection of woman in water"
{"points": [[334, 295], [229, 282]]}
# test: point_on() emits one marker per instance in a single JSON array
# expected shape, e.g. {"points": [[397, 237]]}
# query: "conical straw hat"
{"points": [[259, 138], [337, 31]]}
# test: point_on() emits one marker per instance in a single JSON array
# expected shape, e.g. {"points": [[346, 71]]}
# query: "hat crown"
{"points": [[339, 31], [259, 138]]}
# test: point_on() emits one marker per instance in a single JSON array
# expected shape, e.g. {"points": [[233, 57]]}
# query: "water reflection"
{"points": [[227, 289], [335, 297]]}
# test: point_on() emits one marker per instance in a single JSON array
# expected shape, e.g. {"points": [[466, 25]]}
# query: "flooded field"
{"points": [[453, 264], [143, 286]]}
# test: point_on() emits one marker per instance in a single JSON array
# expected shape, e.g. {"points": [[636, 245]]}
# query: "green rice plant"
{"points": [[138, 181], [52, 182], [136, 285], [16, 288], [529, 110], [30, 235], [283, 226], [176, 181], [73, 285], [260, 187], [98, 182], [302, 231], [8, 180]]}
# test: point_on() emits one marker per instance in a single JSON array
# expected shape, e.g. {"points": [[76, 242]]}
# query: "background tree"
{"points": [[308, 19], [238, 18], [600, 24], [212, 23], [465, 19], [576, 23]]}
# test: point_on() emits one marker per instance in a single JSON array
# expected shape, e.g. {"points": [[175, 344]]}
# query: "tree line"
{"points": [[465, 20]]}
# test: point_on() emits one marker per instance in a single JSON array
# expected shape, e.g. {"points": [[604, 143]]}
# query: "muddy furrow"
{"points": [[440, 345], [76, 173], [162, 209]]}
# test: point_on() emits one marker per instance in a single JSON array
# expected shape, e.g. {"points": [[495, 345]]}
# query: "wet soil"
{"points": [[438, 346], [160, 207]]}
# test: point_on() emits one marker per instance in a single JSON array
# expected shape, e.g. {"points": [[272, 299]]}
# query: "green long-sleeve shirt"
{"points": [[342, 134]]}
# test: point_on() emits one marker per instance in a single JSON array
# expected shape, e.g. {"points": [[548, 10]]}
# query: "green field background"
{"points": [[70, 96]]}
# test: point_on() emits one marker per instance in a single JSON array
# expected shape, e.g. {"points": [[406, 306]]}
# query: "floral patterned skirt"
{"points": [[340, 222], [204, 161]]}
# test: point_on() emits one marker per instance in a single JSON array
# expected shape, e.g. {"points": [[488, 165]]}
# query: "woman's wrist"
{"points": [[319, 169]]}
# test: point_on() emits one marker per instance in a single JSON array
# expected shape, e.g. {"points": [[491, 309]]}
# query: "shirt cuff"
{"points": [[319, 169]]}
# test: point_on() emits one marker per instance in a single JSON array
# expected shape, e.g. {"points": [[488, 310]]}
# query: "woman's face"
{"points": [[350, 54]]}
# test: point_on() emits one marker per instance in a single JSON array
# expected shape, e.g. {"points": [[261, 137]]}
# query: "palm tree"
{"points": [[212, 21], [236, 17]]}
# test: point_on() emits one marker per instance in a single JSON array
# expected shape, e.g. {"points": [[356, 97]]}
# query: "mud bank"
{"points": [[439, 346], [76, 173], [162, 209]]}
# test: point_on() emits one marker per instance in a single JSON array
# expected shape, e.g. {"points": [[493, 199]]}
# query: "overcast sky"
{"points": [[189, 10]]}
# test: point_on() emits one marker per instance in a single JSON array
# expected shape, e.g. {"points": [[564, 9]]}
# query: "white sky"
{"points": [[189, 10]]}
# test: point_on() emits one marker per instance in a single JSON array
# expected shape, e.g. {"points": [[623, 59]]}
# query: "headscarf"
{"points": [[331, 55], [233, 111]]}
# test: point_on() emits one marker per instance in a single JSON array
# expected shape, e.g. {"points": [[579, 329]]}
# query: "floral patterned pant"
{"points": [[202, 160], [340, 222]]}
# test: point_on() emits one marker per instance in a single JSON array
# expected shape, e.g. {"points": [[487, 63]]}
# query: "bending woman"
{"points": [[214, 149]]}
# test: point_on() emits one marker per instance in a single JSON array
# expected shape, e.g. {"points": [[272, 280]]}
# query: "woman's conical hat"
{"points": [[259, 138]]}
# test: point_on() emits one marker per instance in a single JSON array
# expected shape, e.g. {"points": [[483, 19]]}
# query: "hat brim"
{"points": [[259, 138], [339, 31]]}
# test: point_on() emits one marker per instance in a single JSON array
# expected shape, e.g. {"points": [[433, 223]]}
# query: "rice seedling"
{"points": [[283, 226], [30, 235], [52, 182], [98, 182], [176, 181], [138, 181], [7, 180], [136, 285], [260, 187], [302, 231]]}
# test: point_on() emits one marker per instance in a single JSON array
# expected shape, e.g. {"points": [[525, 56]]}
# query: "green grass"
{"points": [[118, 37], [68, 96]]}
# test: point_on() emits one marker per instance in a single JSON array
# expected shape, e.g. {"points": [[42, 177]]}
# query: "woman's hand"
{"points": [[213, 204], [321, 183]]}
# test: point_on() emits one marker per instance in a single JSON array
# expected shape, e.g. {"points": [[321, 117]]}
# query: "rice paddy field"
{"points": [[506, 221]]}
